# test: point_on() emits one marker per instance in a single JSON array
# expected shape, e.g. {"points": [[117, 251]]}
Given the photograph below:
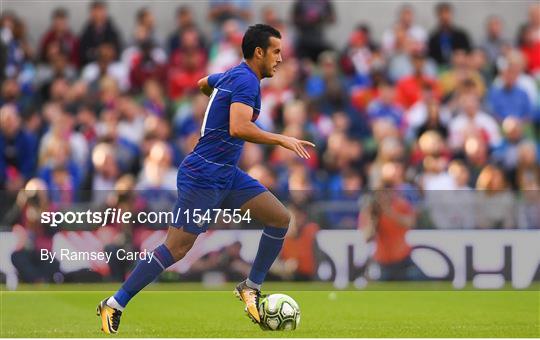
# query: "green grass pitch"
{"points": [[189, 310]]}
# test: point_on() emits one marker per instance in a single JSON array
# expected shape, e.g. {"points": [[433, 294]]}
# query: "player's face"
{"points": [[272, 57]]}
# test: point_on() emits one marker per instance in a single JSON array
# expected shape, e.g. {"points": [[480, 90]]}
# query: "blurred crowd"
{"points": [[106, 117]]}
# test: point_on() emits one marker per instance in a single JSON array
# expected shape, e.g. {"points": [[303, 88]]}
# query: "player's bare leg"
{"points": [[266, 208], [179, 242], [176, 245]]}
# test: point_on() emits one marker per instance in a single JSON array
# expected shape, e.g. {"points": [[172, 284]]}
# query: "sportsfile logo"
{"points": [[101, 218]]}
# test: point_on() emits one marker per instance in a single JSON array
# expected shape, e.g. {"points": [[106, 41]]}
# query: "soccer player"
{"points": [[209, 177]]}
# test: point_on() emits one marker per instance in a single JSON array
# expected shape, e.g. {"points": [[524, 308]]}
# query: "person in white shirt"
{"points": [[471, 121], [106, 66], [416, 34]]}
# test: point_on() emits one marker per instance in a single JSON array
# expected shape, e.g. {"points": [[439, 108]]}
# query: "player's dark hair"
{"points": [[258, 36]]}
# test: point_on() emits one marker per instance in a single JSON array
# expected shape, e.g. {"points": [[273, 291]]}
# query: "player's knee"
{"points": [[281, 220], [178, 251]]}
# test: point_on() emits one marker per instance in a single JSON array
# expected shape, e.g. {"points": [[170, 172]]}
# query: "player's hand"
{"points": [[296, 145]]}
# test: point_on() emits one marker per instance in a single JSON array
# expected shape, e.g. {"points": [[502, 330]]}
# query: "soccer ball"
{"points": [[279, 312]]}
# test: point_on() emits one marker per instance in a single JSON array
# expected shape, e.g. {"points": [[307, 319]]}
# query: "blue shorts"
{"points": [[203, 194]]}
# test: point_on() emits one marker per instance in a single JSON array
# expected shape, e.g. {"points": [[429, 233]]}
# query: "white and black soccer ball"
{"points": [[279, 312]]}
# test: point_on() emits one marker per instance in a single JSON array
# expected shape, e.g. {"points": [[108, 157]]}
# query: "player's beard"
{"points": [[269, 72]]}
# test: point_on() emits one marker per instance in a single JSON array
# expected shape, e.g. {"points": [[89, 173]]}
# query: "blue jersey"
{"points": [[216, 155]]}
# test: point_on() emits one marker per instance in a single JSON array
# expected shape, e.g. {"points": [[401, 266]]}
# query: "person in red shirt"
{"points": [[299, 248], [187, 65], [530, 47], [386, 218], [409, 89], [60, 35]]}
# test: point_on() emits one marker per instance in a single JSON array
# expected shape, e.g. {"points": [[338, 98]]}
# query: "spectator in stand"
{"points": [[144, 34], [252, 155], [145, 21], [495, 41], [385, 107], [310, 19], [476, 156], [400, 61], [300, 184], [461, 175], [480, 63], [62, 127], [86, 119], [221, 11], [184, 21], [530, 47], [415, 34], [342, 152], [386, 218], [227, 51], [146, 66], [360, 56], [187, 65], [435, 158], [529, 39], [99, 29], [11, 93], [409, 89], [446, 38], [32, 235], [346, 190], [3, 60], [18, 150], [436, 120], [116, 234], [506, 154], [59, 171], [157, 179], [528, 181], [106, 66], [131, 124], [56, 65], [127, 154], [154, 100], [460, 71], [496, 204], [60, 35], [19, 59], [472, 122], [514, 60], [327, 85], [390, 149], [509, 99], [298, 258], [18, 50], [105, 172]]}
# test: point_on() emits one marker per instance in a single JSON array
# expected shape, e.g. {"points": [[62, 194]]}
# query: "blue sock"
{"points": [[269, 248], [143, 274]]}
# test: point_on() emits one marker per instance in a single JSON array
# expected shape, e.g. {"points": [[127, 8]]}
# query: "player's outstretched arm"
{"points": [[241, 126], [204, 86]]}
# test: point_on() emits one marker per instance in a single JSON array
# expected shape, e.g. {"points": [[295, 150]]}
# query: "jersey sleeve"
{"points": [[245, 91], [213, 79]]}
